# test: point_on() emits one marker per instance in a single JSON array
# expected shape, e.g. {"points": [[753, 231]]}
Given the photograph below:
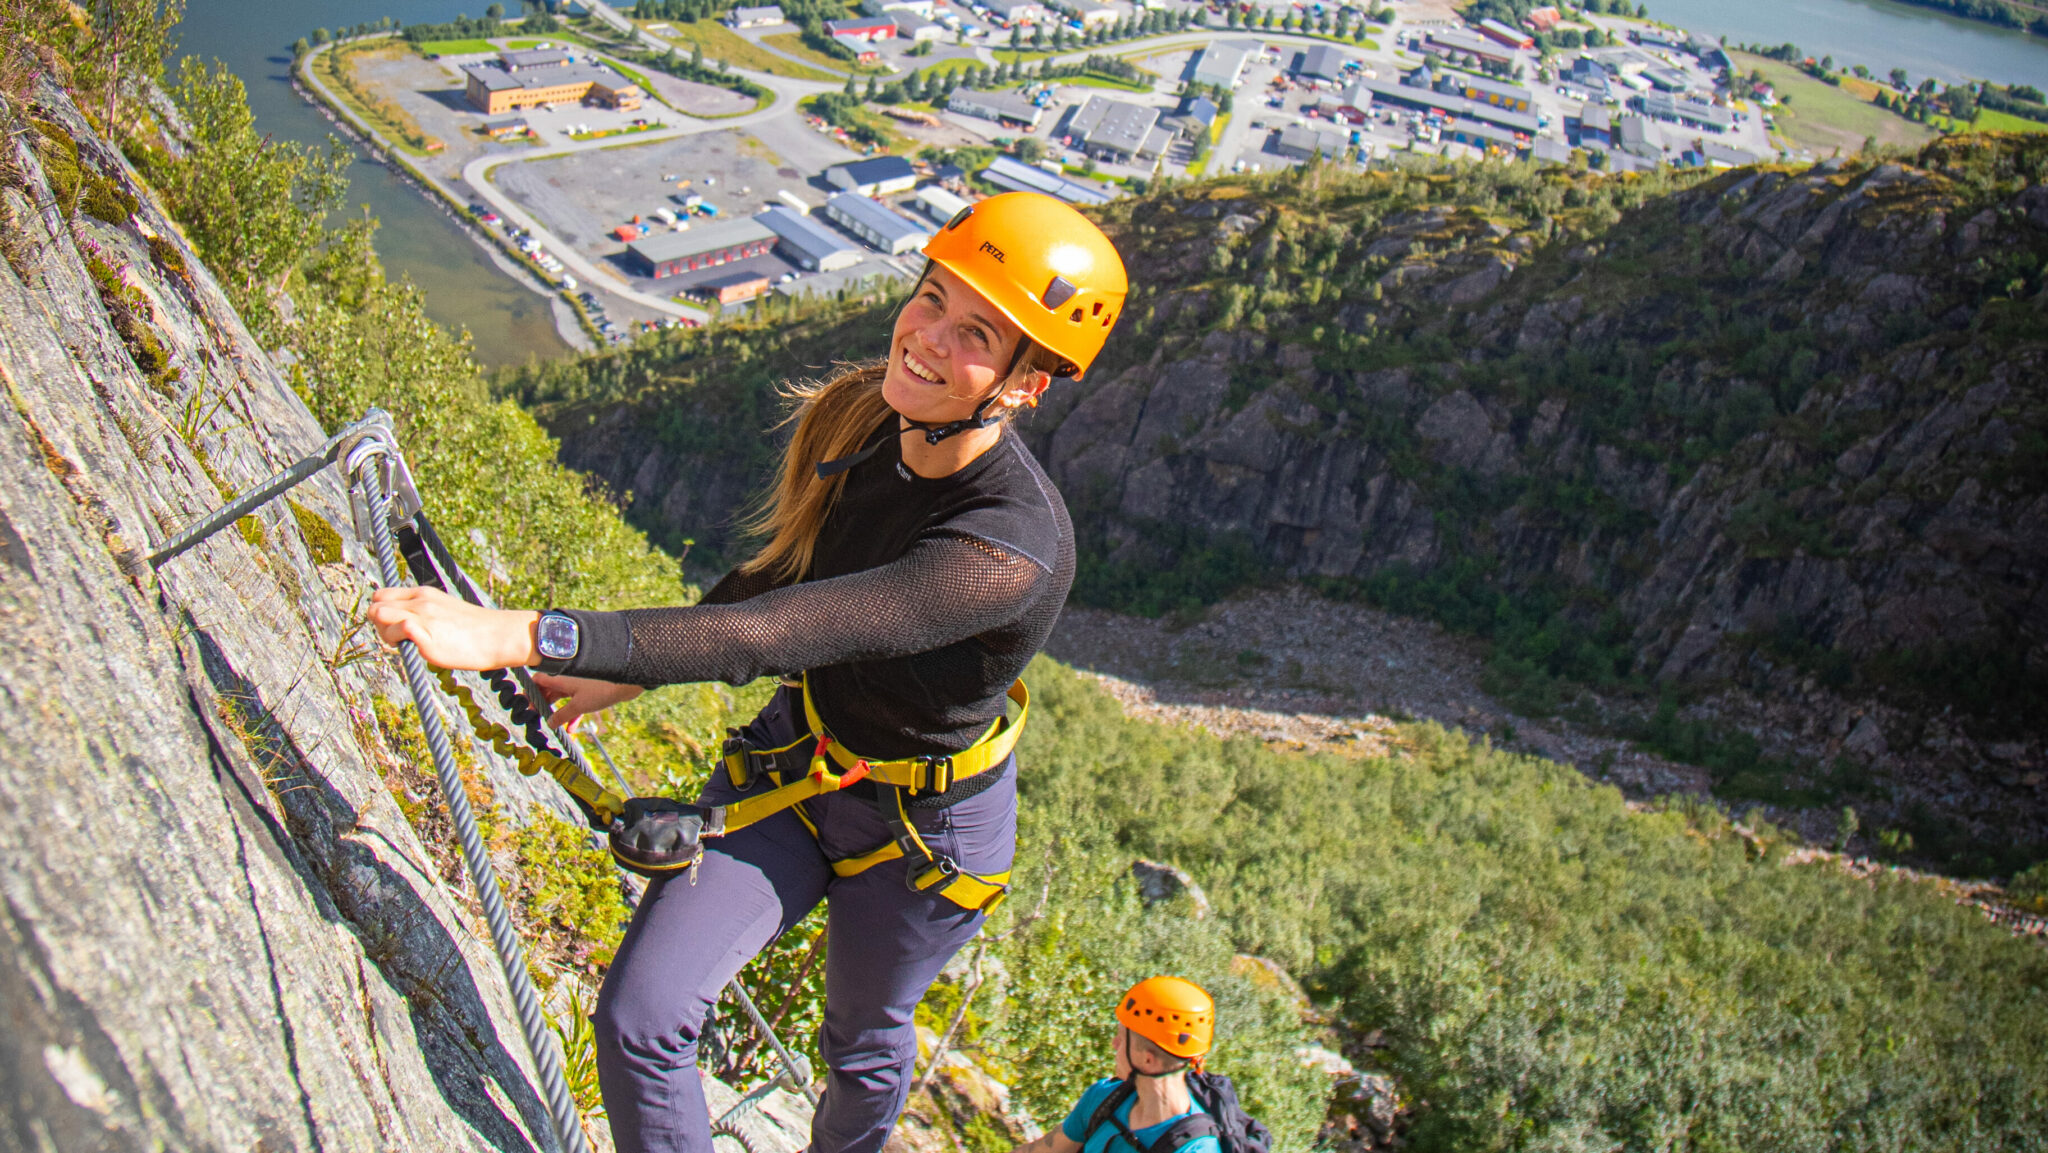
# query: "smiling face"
{"points": [[949, 350]]}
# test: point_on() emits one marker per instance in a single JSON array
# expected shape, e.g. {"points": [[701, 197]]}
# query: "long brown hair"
{"points": [[833, 419]]}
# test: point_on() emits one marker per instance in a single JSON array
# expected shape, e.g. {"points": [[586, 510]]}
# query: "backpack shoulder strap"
{"points": [[1105, 1114], [1186, 1129]]}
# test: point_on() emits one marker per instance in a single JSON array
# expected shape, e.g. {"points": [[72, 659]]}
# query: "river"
{"points": [[417, 240], [1880, 34]]}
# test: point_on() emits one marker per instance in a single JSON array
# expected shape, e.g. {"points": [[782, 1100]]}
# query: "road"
{"points": [[788, 92]]}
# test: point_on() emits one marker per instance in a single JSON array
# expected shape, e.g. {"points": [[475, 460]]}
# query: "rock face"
{"points": [[1760, 406], [219, 930], [1795, 409]]}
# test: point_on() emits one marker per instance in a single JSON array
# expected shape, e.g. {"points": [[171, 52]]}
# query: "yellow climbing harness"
{"points": [[907, 777], [828, 767]]}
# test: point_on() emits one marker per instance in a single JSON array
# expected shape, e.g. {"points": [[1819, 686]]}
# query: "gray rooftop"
{"points": [[1323, 61], [1010, 104], [666, 246], [1008, 172], [803, 233], [1662, 104], [875, 216], [497, 79], [1308, 140], [1221, 62], [534, 58], [1357, 97], [1107, 123]]}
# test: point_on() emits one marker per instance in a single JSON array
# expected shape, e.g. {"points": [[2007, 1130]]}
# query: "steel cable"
{"points": [[540, 1039]]}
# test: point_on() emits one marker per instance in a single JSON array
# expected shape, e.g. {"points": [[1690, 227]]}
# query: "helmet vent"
{"points": [[1058, 293], [1075, 318], [960, 217]]}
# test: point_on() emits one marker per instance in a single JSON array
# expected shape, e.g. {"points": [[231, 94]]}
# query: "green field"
{"points": [[1821, 117], [1990, 120], [721, 43], [454, 47], [793, 43], [1092, 81]]}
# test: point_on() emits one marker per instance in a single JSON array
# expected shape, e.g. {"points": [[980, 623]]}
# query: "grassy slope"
{"points": [[793, 43], [1553, 969], [722, 43], [1822, 118]]}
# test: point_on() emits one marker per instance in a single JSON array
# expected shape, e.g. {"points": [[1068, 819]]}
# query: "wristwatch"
{"points": [[558, 639]]}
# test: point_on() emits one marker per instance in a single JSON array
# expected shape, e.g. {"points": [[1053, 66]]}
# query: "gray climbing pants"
{"points": [[888, 942]]}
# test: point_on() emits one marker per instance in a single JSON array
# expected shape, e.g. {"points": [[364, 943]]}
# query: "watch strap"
{"points": [[604, 645]]}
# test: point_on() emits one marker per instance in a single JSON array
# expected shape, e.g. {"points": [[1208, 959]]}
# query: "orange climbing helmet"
{"points": [[1172, 1013], [1043, 265]]}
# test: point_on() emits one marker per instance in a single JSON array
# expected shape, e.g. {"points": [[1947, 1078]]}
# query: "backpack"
{"points": [[1222, 1118]]}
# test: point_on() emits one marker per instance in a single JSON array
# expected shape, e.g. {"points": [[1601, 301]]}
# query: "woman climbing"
{"points": [[916, 558]]}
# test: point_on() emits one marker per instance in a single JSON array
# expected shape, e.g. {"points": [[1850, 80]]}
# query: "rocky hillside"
{"points": [[1796, 410], [220, 930], [1776, 430]]}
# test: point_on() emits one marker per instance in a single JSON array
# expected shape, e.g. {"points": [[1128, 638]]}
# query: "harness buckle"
{"points": [[821, 768], [938, 775]]}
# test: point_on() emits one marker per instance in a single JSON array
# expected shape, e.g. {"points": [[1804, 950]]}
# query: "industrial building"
{"points": [[876, 223], [1357, 101], [1711, 117], [1001, 107], [1596, 127], [939, 204], [1509, 37], [865, 29], [1321, 62], [1453, 43], [1480, 135], [922, 9], [1300, 143], [1222, 63], [1194, 118], [504, 126], [544, 76], [761, 16], [732, 287], [806, 243], [1092, 14], [1013, 13], [1013, 174], [703, 246], [881, 176], [1481, 90], [1117, 131], [1632, 135]]}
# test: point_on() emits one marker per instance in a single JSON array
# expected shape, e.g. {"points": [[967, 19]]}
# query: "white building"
{"points": [[922, 9], [880, 226], [764, 16], [938, 203], [881, 176]]}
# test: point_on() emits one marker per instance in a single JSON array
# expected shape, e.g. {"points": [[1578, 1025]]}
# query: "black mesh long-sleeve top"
{"points": [[926, 599]]}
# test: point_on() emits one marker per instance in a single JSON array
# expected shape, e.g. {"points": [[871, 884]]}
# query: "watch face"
{"points": [[557, 637]]}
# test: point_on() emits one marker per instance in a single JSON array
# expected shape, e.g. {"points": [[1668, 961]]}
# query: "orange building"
{"points": [[545, 76]]}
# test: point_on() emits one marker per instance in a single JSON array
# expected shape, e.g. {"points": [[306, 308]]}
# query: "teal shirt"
{"points": [[1108, 1140]]}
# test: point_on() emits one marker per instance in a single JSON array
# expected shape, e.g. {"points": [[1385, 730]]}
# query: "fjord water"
{"points": [[416, 238], [465, 289], [1880, 34]]}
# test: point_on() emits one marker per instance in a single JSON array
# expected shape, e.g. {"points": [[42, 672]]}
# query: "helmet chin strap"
{"points": [[933, 433]]}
